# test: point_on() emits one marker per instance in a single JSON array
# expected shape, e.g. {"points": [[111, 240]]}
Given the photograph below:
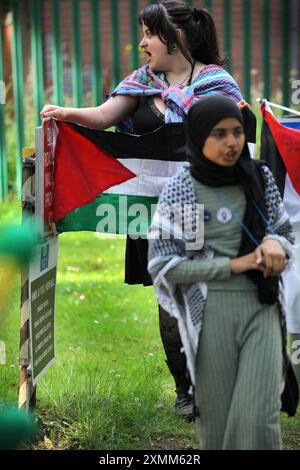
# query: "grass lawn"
{"points": [[109, 388]]}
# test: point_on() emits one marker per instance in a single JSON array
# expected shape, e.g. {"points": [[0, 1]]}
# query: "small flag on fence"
{"points": [[280, 147]]}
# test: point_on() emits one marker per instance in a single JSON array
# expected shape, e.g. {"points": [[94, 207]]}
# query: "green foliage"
{"points": [[110, 388], [10, 211], [16, 428], [10, 135]]}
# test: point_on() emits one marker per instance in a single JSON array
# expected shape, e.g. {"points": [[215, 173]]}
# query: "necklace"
{"points": [[189, 77]]}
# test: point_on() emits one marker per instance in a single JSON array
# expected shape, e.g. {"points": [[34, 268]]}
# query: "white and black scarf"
{"points": [[186, 302]]}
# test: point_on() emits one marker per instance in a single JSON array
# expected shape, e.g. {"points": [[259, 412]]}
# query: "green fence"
{"points": [[3, 161], [36, 16]]}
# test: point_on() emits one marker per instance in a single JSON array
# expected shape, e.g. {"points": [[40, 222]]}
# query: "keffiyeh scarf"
{"points": [[186, 302], [178, 98]]}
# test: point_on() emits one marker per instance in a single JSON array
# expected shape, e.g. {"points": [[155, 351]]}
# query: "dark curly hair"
{"points": [[200, 43]]}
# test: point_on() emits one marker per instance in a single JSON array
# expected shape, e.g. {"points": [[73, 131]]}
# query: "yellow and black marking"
{"points": [[27, 396]]}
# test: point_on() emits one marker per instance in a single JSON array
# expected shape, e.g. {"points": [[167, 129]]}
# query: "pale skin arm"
{"points": [[114, 110], [269, 257]]}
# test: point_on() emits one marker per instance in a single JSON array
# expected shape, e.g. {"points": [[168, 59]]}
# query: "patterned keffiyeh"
{"points": [[186, 302], [178, 98]]}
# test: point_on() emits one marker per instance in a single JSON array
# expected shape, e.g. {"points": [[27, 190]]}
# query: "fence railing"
{"points": [[99, 53], [3, 158]]}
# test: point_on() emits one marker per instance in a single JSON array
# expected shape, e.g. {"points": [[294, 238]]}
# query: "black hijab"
{"points": [[201, 119]]}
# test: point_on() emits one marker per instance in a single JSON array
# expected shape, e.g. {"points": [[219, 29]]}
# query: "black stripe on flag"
{"points": [[271, 155], [165, 143], [250, 125]]}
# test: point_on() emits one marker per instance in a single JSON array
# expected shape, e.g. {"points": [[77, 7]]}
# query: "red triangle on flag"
{"points": [[288, 143], [82, 171]]}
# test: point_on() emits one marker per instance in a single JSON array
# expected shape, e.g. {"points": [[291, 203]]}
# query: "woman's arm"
{"points": [[204, 270], [198, 270], [269, 258], [114, 110]]}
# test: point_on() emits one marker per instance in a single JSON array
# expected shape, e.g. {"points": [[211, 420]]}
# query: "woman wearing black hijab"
{"points": [[225, 291]]}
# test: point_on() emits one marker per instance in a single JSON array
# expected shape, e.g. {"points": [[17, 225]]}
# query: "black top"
{"points": [[146, 118]]}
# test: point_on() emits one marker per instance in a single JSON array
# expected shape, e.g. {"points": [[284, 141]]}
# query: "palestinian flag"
{"points": [[110, 182], [250, 129], [280, 147]]}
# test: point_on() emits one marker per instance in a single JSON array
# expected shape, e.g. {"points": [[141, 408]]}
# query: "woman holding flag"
{"points": [[183, 63]]}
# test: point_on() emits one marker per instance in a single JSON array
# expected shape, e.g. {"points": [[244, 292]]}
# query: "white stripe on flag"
{"points": [[291, 282], [291, 200], [152, 176], [251, 147]]}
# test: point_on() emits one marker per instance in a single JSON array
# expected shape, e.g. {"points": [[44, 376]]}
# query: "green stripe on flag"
{"points": [[112, 213]]}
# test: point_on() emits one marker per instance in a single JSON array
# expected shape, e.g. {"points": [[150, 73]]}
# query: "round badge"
{"points": [[207, 215], [224, 215]]}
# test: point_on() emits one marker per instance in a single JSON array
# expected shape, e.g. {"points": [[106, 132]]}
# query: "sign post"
{"points": [[37, 338], [42, 283], [26, 388]]}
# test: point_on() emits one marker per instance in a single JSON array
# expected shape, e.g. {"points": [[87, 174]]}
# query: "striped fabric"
{"points": [[178, 98], [238, 373]]}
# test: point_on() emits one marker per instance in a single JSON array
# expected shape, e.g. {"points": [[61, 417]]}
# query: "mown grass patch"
{"points": [[109, 388]]}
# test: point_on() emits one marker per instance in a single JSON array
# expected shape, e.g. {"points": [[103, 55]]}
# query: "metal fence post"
{"points": [[208, 5], [247, 50], [134, 34], [3, 154], [227, 32], [58, 77], [285, 51], [115, 38], [18, 85], [37, 57], [77, 76], [266, 49], [97, 79]]}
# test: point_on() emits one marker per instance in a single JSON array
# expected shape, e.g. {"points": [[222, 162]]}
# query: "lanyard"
{"points": [[223, 199]]}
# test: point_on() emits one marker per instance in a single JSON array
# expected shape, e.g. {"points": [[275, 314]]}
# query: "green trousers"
{"points": [[238, 373]]}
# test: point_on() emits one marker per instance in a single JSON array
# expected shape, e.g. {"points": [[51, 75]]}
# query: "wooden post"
{"points": [[26, 390]]}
